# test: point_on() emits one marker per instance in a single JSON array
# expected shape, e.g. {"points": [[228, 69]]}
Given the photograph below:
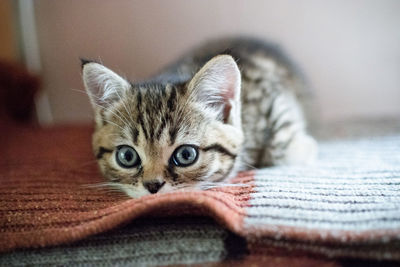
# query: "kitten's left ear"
{"points": [[217, 85], [102, 84]]}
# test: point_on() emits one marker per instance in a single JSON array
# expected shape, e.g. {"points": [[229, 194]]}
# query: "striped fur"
{"points": [[236, 118]]}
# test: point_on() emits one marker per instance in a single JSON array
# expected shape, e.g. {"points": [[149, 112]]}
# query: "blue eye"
{"points": [[185, 155], [127, 157]]}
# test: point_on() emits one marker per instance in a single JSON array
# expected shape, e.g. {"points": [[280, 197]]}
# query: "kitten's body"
{"points": [[233, 119], [271, 86]]}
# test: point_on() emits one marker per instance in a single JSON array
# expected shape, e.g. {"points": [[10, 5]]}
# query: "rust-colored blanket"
{"points": [[348, 205]]}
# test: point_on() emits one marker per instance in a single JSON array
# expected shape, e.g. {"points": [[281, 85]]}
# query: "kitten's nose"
{"points": [[153, 186]]}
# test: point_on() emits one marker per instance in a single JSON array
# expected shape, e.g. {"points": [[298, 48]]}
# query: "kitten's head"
{"points": [[153, 138]]}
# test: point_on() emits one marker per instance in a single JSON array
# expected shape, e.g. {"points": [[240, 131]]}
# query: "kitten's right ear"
{"points": [[102, 84]]}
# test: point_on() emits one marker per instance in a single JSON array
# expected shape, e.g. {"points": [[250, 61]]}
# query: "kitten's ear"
{"points": [[102, 84], [217, 84]]}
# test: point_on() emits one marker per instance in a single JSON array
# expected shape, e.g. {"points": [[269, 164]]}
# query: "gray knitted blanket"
{"points": [[348, 204]]}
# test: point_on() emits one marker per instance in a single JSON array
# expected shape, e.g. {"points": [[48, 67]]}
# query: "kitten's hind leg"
{"points": [[288, 142], [302, 149], [299, 148]]}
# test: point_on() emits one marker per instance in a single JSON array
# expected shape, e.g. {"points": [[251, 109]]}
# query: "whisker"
{"points": [[113, 123], [122, 102], [120, 116], [107, 186], [249, 165], [206, 186], [124, 119], [79, 91]]}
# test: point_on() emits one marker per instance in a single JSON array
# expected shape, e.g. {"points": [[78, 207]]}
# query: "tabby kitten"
{"points": [[202, 119]]}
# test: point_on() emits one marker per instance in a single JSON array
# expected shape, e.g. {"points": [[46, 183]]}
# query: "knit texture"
{"points": [[145, 242], [346, 205], [160, 241]]}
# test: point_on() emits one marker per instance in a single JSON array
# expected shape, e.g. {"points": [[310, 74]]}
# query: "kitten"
{"points": [[201, 120]]}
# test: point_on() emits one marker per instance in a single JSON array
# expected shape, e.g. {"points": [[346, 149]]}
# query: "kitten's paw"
{"points": [[302, 150]]}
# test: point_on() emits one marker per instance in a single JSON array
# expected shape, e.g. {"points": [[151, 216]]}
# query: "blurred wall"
{"points": [[8, 43], [350, 50]]}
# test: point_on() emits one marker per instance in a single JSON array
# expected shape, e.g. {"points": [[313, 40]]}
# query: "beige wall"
{"points": [[349, 49]]}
